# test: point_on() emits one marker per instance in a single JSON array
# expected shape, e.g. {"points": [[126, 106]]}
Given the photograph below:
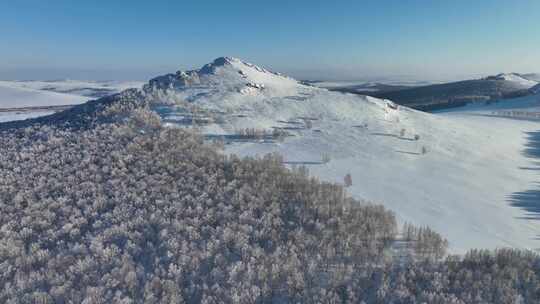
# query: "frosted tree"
{"points": [[127, 211], [402, 133], [325, 158], [347, 180]]}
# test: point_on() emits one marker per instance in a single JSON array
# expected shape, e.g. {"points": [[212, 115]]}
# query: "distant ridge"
{"points": [[532, 76], [455, 94]]}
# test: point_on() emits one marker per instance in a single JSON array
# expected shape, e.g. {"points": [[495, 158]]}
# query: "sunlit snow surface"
{"points": [[468, 184], [91, 89], [462, 186], [21, 115], [520, 80], [30, 99]]}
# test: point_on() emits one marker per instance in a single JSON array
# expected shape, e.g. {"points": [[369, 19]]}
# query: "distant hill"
{"points": [[454, 94], [367, 88], [532, 76], [370, 88]]}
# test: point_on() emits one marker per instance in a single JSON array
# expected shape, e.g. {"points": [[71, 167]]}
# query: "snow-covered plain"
{"points": [[19, 103], [24, 97], [92, 89], [12, 96], [458, 177]]}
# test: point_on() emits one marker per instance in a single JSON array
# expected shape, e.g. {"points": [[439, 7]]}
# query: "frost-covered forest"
{"points": [[132, 212]]}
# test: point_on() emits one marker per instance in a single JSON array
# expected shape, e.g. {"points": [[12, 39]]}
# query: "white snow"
{"points": [[76, 87], [532, 76], [460, 187], [12, 96], [529, 103], [21, 115], [517, 79], [43, 94]]}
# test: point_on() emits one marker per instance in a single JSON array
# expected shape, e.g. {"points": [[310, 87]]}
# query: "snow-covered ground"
{"points": [[458, 177], [21, 115], [25, 96], [92, 89], [16, 97], [519, 80], [18, 103]]}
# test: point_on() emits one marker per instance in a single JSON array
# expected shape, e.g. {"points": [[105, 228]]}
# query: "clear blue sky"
{"points": [[308, 39]]}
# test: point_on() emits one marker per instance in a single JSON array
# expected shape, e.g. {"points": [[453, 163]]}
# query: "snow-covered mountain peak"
{"points": [[230, 85], [223, 71], [220, 62], [235, 63], [224, 76], [225, 60]]}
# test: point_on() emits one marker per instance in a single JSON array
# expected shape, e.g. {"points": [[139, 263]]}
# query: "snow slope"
{"points": [[460, 186], [16, 97]]}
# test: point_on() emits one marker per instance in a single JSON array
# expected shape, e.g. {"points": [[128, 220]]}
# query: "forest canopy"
{"points": [[132, 212]]}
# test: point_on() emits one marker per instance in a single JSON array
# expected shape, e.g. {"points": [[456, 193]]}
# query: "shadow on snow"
{"points": [[529, 200]]}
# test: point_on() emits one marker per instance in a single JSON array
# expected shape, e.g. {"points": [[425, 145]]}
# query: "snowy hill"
{"points": [[225, 75], [460, 93], [456, 177], [519, 80], [532, 76], [460, 172]]}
